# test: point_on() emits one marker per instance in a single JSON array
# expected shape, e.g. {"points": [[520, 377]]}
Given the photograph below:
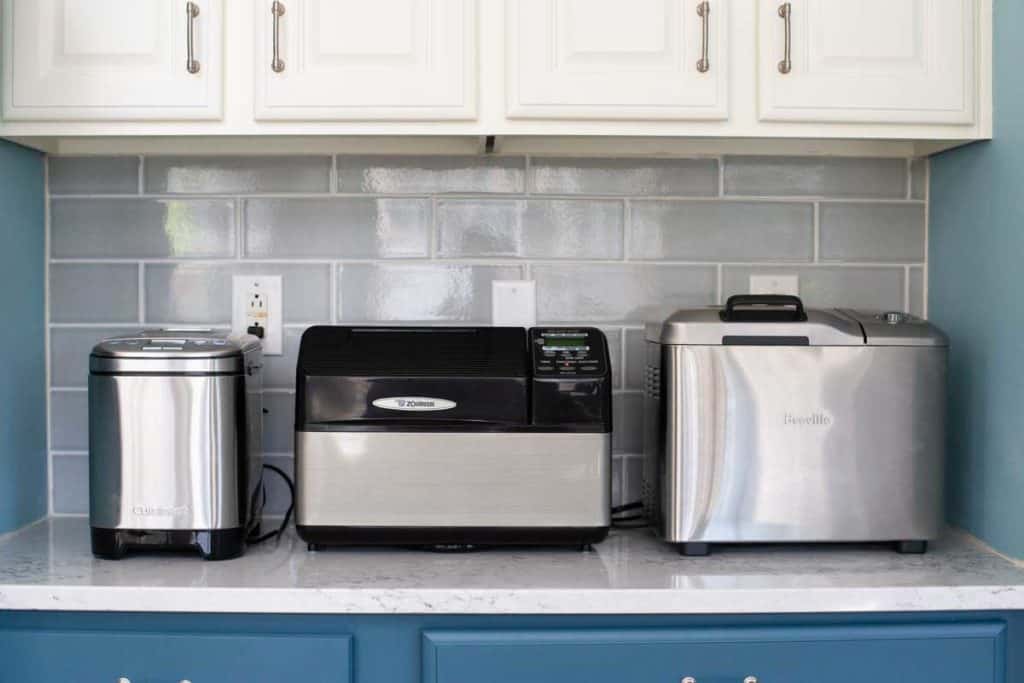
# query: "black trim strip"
{"points": [[765, 341]]}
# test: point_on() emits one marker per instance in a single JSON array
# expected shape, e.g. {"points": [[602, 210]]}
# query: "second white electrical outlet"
{"points": [[256, 302], [775, 284]]}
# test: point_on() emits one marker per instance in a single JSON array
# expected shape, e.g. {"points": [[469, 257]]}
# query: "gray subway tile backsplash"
{"points": [[610, 242], [94, 175], [624, 177], [865, 231], [816, 176], [534, 228], [237, 175], [387, 174], [342, 227], [721, 231], [142, 228]]}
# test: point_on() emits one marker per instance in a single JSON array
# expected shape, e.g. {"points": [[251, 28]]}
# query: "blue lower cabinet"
{"points": [[32, 656], [941, 653]]}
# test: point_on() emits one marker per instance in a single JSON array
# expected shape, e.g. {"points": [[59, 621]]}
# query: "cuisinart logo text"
{"points": [[159, 510], [812, 420], [414, 403]]}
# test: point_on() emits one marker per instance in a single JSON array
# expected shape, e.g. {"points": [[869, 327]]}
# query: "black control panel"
{"points": [[568, 352]]}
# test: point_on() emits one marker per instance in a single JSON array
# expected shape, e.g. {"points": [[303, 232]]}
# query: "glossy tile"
{"points": [[69, 430], [278, 422], [387, 174], [815, 176], [721, 231], [142, 228], [236, 175], [830, 286], [627, 414], [344, 227], [418, 292], [619, 293], [93, 175], [617, 176], [916, 303], [919, 179], [278, 495], [616, 480], [614, 337], [636, 358], [530, 228], [94, 292], [71, 484], [872, 232], [197, 293], [633, 478], [279, 371], [69, 352]]}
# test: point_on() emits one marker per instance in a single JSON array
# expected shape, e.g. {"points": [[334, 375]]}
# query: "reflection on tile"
{"points": [[614, 337], [722, 231], [94, 175], [916, 305], [919, 179], [344, 227], [617, 176], [142, 228], [69, 352], [633, 474], [610, 292], [387, 174], [279, 371], [71, 484], [872, 232], [627, 413], [70, 425], [230, 175], [278, 495], [530, 228], [415, 292], [201, 293], [833, 286], [816, 176], [278, 422], [94, 293], [636, 358], [617, 480]]}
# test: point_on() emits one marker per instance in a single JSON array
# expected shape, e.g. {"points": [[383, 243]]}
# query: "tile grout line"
{"points": [[816, 233], [926, 268], [627, 228], [48, 332], [141, 286], [333, 295], [141, 190]]}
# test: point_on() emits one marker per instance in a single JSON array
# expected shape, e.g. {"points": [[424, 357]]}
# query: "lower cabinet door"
{"points": [[942, 653], [117, 657]]}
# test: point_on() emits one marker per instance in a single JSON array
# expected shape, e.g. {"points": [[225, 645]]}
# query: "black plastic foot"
{"points": [[313, 547], [695, 549], [213, 544], [586, 548], [912, 547]]}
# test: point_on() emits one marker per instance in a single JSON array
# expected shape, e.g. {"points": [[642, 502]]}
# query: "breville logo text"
{"points": [[812, 420], [414, 403], [154, 510]]}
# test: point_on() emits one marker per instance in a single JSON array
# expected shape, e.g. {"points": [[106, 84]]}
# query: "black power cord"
{"points": [[634, 521], [278, 532]]}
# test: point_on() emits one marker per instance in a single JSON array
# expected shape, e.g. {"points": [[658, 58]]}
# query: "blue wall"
{"points": [[22, 352], [977, 295]]}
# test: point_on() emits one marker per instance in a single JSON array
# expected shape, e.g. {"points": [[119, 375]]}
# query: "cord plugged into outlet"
{"points": [[257, 309]]}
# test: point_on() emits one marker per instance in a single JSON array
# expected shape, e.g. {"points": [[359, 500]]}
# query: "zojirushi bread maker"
{"points": [[453, 436]]}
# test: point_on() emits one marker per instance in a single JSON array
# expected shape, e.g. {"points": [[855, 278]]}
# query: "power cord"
{"points": [[634, 521], [278, 532]]}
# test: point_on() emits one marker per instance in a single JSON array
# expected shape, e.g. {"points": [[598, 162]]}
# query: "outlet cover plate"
{"points": [[783, 283], [514, 303], [270, 287]]}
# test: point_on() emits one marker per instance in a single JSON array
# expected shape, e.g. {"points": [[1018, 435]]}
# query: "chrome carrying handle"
{"points": [[704, 12], [191, 12], [786, 12], [277, 9]]}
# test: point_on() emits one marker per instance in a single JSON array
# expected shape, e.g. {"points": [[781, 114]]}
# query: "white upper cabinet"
{"points": [[112, 59], [609, 59], [868, 61], [366, 59]]}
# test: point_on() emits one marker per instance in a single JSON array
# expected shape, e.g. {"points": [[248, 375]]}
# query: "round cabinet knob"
{"points": [[894, 317], [688, 679], [750, 679], [122, 679]]}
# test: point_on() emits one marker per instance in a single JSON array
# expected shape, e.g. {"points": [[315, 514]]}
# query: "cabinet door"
{"points": [[366, 59], [884, 61], [608, 59], [112, 59]]}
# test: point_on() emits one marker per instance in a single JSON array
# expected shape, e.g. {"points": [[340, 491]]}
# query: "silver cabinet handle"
{"points": [[277, 9], [786, 65], [704, 12], [191, 12]]}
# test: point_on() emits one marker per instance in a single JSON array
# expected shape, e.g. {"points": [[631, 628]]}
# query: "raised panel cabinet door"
{"points": [[608, 59], [869, 61], [366, 59], [112, 59]]}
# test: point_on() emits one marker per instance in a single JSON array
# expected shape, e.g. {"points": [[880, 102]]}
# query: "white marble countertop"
{"points": [[48, 566]]}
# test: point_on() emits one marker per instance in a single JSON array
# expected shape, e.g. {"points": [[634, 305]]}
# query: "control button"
{"points": [[152, 348], [894, 317]]}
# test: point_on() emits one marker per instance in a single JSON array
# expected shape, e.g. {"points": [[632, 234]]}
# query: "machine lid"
{"points": [[173, 350], [756, 320]]}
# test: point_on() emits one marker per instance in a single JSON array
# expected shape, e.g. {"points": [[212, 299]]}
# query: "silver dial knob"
{"points": [[894, 317]]}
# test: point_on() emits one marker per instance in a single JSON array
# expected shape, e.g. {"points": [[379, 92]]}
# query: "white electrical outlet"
{"points": [[775, 284], [514, 303], [256, 302]]}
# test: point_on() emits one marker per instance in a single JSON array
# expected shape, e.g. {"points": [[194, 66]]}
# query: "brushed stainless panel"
{"points": [[167, 452], [422, 479], [800, 443]]}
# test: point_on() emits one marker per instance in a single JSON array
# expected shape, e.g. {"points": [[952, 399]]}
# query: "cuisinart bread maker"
{"points": [[175, 442], [769, 423]]}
